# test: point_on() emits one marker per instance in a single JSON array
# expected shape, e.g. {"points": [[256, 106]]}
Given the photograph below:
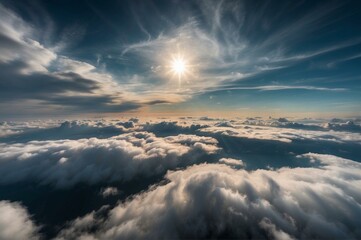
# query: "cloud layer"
{"points": [[121, 158], [187, 178], [216, 201]]}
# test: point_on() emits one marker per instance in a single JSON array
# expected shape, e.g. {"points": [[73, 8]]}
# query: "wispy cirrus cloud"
{"points": [[275, 88], [220, 52]]}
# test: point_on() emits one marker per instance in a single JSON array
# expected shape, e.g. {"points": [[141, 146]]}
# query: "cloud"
{"points": [[275, 133], [65, 163], [109, 191], [202, 188], [349, 126], [216, 201], [6, 130], [232, 162], [334, 125], [275, 88], [54, 130], [46, 82], [16, 44], [15, 222], [167, 127], [219, 41], [272, 231], [206, 118], [283, 123], [25, 75], [223, 124]]}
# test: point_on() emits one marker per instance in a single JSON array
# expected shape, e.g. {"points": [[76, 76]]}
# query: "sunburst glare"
{"points": [[178, 66]]}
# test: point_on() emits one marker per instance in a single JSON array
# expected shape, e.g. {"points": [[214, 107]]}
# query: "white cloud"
{"points": [[201, 201], [15, 222], [214, 201], [232, 162], [267, 225], [278, 88], [109, 191], [284, 134], [67, 162], [17, 43], [70, 65]]}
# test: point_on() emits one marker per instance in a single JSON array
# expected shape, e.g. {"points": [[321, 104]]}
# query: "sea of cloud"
{"points": [[181, 178]]}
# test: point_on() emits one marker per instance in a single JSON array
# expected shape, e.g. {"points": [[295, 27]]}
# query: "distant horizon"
{"points": [[154, 115]]}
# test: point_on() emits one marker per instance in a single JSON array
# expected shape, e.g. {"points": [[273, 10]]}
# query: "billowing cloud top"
{"points": [[192, 178]]}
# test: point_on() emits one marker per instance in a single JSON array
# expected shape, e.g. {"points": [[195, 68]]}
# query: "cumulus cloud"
{"points": [[206, 118], [53, 130], [168, 127], [349, 126], [15, 222], [283, 134], [120, 158], [231, 193], [334, 124], [109, 191], [6, 129], [223, 124], [216, 201], [232, 162]]}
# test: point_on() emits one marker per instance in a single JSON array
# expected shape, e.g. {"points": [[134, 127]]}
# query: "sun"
{"points": [[178, 66]]}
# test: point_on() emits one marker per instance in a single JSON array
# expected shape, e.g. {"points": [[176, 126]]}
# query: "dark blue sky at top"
{"points": [[288, 56]]}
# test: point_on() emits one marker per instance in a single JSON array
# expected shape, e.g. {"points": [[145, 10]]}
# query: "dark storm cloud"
{"points": [[216, 201]]}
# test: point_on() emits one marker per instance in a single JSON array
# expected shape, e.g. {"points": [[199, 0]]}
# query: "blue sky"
{"points": [[240, 58]]}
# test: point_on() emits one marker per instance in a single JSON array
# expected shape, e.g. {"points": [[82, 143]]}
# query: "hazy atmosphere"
{"points": [[180, 119]]}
